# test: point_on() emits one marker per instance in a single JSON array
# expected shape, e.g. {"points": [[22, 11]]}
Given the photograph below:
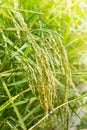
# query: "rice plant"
{"points": [[42, 63]]}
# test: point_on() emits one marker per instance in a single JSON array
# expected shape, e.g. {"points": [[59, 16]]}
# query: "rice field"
{"points": [[43, 64]]}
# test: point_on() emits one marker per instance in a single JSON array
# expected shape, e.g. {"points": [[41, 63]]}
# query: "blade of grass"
{"points": [[15, 108]]}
